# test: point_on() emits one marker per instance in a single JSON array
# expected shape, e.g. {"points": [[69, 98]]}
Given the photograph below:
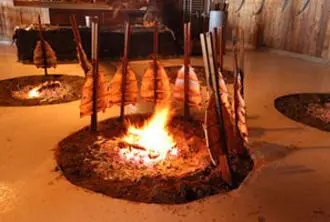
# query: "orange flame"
{"points": [[33, 93], [153, 137]]}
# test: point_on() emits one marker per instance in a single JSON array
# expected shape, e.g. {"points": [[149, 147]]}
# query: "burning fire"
{"points": [[150, 143], [33, 93]]}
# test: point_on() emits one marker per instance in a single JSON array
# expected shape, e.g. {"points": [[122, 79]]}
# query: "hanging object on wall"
{"points": [[285, 5], [260, 8], [304, 7], [240, 6]]}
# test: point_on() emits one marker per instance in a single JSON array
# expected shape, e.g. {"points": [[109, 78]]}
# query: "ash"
{"points": [[107, 162], [320, 111], [47, 91]]}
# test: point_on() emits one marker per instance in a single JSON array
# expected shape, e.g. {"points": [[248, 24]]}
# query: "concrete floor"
{"points": [[291, 183]]}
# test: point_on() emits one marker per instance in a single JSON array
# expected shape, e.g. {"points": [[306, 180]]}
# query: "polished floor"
{"points": [[291, 182]]}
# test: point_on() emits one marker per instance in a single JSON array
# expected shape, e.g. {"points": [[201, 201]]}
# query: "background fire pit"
{"points": [[93, 161], [40, 90], [312, 109]]}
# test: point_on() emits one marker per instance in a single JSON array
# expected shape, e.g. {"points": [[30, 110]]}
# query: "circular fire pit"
{"points": [[40, 90], [200, 72], [312, 109], [105, 163]]}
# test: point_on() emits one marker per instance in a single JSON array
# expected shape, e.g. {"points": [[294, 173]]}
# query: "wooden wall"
{"points": [[307, 33], [11, 16], [275, 27]]}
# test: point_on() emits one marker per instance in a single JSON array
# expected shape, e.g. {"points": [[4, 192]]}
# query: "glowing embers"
{"points": [[47, 91], [149, 143]]}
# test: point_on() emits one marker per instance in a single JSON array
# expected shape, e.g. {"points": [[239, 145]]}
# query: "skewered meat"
{"points": [[241, 112], [225, 97], [131, 89], [103, 94], [148, 92], [194, 93], [50, 55]]}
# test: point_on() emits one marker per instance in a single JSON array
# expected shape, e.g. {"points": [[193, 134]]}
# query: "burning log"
{"points": [[81, 55], [124, 89], [155, 83], [43, 54], [187, 88]]}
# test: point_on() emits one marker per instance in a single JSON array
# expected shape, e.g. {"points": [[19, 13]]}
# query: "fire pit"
{"points": [[312, 109], [40, 90], [154, 159]]}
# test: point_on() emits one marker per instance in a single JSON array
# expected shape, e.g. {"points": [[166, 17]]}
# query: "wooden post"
{"points": [[155, 65], [43, 47], [215, 44], [221, 47], [241, 58], [95, 49], [124, 69], [186, 69], [223, 158]]}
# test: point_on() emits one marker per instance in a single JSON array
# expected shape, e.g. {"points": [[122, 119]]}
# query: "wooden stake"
{"points": [[223, 158], [221, 48], [43, 47], [215, 41], [95, 49], [206, 62], [241, 58], [124, 69], [186, 69], [155, 65]]}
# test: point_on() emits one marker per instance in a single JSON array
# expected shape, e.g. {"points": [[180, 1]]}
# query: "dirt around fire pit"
{"points": [[200, 71], [40, 90], [312, 109], [93, 161]]}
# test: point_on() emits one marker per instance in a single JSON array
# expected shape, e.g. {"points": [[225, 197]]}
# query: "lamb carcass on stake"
{"points": [[155, 83], [130, 93], [38, 55], [162, 93], [43, 54], [194, 92]]}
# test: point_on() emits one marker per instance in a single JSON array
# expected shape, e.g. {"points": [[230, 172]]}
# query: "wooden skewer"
{"points": [[155, 65], [186, 69], [95, 62], [208, 47], [221, 48], [124, 69], [241, 59], [43, 47], [77, 39]]}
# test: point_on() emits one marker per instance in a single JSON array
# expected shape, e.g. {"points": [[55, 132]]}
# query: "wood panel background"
{"points": [[307, 33], [11, 16], [275, 27]]}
